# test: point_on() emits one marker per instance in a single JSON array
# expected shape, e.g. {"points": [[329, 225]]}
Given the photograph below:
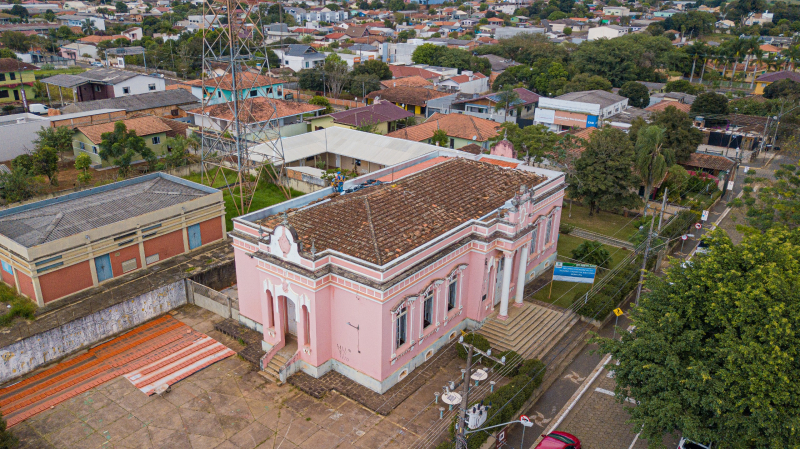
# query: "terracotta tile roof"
{"points": [[381, 223], [409, 81], [777, 76], [472, 148], [379, 112], [395, 176], [466, 78], [417, 96], [401, 71], [259, 109], [97, 39], [664, 104], [14, 65], [144, 126], [767, 48], [500, 163], [455, 125], [244, 80], [708, 161], [175, 127], [335, 35]]}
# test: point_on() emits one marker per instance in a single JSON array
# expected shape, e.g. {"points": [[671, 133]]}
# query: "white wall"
{"points": [[139, 85]]}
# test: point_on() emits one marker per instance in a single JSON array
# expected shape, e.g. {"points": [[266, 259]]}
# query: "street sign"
{"points": [[698, 225], [704, 217], [618, 312], [574, 272], [730, 185], [684, 237], [525, 421], [501, 439]]}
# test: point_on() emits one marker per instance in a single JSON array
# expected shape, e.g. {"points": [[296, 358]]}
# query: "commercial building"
{"points": [[53, 248], [583, 109], [374, 282]]}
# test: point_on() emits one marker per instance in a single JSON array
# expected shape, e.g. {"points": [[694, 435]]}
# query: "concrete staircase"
{"points": [[271, 371], [531, 330]]}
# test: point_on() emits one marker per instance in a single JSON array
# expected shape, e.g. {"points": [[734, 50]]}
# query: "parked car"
{"points": [[559, 440], [689, 444], [702, 247], [97, 64], [38, 108]]}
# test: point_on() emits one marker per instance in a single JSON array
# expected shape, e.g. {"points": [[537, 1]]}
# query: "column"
{"points": [[523, 264], [508, 262]]}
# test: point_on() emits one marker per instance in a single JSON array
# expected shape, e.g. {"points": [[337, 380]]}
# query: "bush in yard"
{"points": [[565, 228], [479, 341], [592, 252], [513, 360], [7, 439]]}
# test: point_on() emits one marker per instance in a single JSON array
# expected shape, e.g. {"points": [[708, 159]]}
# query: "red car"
{"points": [[559, 440]]}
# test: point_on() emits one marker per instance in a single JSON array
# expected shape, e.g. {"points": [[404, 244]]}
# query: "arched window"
{"points": [[270, 312], [306, 326]]}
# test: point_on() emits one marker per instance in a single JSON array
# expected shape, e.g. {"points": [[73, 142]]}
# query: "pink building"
{"points": [[373, 282]]}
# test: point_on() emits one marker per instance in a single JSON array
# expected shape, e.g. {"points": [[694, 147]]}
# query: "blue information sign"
{"points": [[574, 272], [591, 121]]}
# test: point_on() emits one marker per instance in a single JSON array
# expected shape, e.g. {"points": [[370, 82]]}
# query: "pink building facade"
{"points": [[374, 282]]}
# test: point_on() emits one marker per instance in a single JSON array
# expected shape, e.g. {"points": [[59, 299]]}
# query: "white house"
{"points": [[620, 11], [78, 19], [134, 34], [468, 83], [607, 32], [299, 57], [207, 21]]}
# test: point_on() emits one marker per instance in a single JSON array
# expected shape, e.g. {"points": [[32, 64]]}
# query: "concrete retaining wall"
{"points": [[209, 299], [30, 353]]}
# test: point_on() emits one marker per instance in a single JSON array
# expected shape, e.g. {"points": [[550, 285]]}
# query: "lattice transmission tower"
{"points": [[241, 136]]}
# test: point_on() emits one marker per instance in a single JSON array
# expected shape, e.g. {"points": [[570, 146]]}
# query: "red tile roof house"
{"points": [[468, 83], [372, 283], [460, 128], [258, 115], [409, 98], [384, 116]]}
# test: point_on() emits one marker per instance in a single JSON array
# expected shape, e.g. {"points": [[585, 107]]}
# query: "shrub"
{"points": [[565, 228], [592, 252], [513, 362], [20, 306], [479, 341]]}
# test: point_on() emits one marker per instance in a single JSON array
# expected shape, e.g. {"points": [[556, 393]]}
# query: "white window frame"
{"points": [[548, 230], [401, 317], [126, 90], [452, 291], [156, 140], [427, 299], [151, 86], [534, 240]]}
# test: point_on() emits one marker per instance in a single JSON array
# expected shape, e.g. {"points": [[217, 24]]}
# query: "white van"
{"points": [[38, 108]]}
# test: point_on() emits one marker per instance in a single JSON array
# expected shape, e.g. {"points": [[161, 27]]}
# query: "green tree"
{"points": [[585, 81], [49, 15], [506, 99], [121, 146], [16, 41], [82, 163], [45, 162], [6, 53], [652, 159], [319, 100], [535, 142], [121, 7], [178, 151], [637, 94], [88, 27], [633, 57], [19, 185], [604, 179], [7, 439], [592, 252], [59, 138], [714, 355], [335, 69], [440, 138], [683, 86], [711, 105], [680, 136], [19, 11], [373, 67], [361, 85], [784, 88]]}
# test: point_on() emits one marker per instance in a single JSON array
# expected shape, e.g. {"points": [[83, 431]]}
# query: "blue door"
{"points": [[194, 236], [103, 266]]}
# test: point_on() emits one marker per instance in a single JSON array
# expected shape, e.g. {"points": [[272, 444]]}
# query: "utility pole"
{"points": [[644, 262], [461, 425], [663, 205]]}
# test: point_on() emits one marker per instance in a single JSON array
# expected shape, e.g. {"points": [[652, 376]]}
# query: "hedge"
{"points": [[531, 372], [479, 341]]}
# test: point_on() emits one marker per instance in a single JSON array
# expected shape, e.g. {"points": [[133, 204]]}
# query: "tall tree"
{"points": [[711, 105], [714, 355], [59, 138], [88, 27], [335, 70], [45, 162], [506, 99], [652, 159], [374, 67], [121, 146], [604, 179], [532, 143], [680, 136], [637, 94]]}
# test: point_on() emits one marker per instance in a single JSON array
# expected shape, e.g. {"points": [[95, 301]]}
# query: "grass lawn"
{"points": [[266, 194], [605, 223], [39, 74], [565, 292]]}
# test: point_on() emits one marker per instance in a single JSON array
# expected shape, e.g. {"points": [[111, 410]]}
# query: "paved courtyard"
{"points": [[229, 405]]}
